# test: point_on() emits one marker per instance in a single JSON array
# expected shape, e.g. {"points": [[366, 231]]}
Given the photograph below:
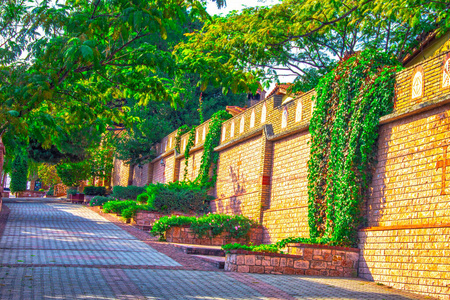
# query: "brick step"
{"points": [[201, 250], [215, 261]]}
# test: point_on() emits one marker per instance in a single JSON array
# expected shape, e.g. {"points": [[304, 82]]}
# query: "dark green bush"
{"points": [[236, 226], [94, 190], [72, 192], [100, 200], [130, 192], [178, 196], [51, 191]]}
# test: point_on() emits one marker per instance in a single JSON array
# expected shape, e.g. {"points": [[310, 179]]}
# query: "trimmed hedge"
{"points": [[130, 192], [94, 190], [127, 209]]}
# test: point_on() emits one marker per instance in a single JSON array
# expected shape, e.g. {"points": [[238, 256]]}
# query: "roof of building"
{"points": [[235, 110]]}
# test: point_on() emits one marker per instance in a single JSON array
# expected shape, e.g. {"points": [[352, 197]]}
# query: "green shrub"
{"points": [[50, 192], [236, 226], [142, 198], [95, 190], [130, 192], [41, 190], [72, 192], [130, 212], [100, 200], [178, 196], [117, 206]]}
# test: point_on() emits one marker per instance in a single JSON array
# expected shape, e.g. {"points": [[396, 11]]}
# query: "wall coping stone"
{"points": [[404, 227]]}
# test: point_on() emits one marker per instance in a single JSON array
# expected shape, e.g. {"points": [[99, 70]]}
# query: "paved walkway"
{"points": [[53, 250]]}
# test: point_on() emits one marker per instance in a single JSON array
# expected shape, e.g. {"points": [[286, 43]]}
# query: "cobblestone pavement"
{"points": [[53, 250]]}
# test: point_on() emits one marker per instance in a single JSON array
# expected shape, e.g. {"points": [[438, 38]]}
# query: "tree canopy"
{"points": [[307, 37]]}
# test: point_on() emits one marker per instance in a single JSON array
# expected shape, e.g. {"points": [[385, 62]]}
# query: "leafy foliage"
{"points": [[19, 173], [130, 192], [72, 174], [100, 200], [344, 128], [209, 157], [94, 190], [72, 192], [189, 144], [210, 225], [270, 248], [117, 206], [178, 196], [304, 37], [48, 174]]}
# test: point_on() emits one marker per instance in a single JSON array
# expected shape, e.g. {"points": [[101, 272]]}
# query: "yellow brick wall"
{"points": [[406, 186], [416, 260], [140, 175], [238, 180], [164, 173], [287, 214], [120, 173], [194, 162]]}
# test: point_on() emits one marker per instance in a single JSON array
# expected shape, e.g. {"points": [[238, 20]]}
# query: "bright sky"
{"points": [[237, 5]]}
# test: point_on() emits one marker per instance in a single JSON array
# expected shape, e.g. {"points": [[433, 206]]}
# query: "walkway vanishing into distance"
{"points": [[55, 250]]}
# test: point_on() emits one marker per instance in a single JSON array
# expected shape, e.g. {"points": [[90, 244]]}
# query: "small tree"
{"points": [[19, 173]]}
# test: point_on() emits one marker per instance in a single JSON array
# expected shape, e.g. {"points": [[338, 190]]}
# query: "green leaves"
{"points": [[350, 100]]}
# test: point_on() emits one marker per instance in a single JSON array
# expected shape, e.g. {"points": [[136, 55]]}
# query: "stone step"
{"points": [[201, 250], [216, 261]]}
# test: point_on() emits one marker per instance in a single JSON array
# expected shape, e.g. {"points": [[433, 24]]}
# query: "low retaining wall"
{"points": [[5, 194], [308, 260], [144, 220], [31, 194], [184, 235]]}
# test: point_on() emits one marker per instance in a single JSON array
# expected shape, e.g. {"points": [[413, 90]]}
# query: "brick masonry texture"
{"points": [[304, 260], [262, 174]]}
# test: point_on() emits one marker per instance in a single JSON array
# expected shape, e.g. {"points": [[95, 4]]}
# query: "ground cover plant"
{"points": [[99, 200], [209, 225], [276, 247]]}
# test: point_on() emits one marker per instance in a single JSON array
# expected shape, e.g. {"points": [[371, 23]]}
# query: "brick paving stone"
{"points": [[53, 250]]}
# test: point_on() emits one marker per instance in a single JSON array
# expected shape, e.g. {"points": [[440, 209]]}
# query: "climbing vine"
{"points": [[189, 144], [182, 130], [344, 128], [209, 157]]}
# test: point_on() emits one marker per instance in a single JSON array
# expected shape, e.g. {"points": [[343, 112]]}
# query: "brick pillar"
{"points": [[265, 172], [176, 167]]}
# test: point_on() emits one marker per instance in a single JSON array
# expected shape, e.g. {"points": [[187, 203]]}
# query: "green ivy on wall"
{"points": [[209, 157], [182, 130], [189, 144], [19, 173], [344, 128]]}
